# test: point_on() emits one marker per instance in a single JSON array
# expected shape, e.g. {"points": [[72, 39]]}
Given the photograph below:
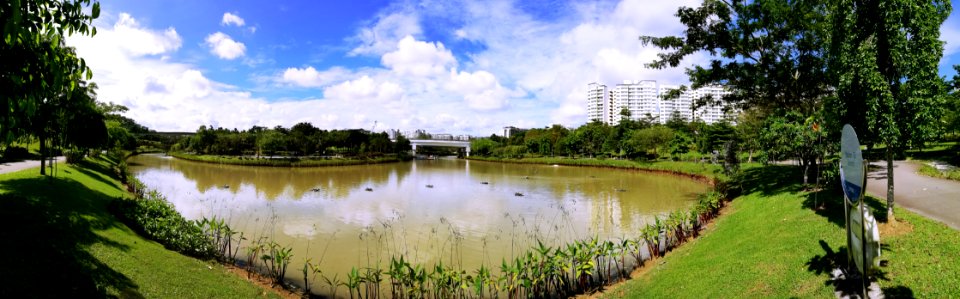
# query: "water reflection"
{"points": [[469, 215]]}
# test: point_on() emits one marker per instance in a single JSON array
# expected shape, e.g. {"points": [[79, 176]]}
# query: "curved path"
{"points": [[938, 199], [7, 167]]}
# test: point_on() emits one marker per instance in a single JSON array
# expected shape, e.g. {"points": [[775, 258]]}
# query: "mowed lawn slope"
{"points": [[60, 241], [772, 243]]}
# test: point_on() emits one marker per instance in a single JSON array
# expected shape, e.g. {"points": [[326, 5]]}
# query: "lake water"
{"points": [[463, 213]]}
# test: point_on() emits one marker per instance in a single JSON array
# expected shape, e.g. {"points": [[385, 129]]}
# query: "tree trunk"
{"points": [[889, 184], [43, 153]]}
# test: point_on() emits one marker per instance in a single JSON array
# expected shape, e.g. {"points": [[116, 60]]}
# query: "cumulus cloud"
{"points": [[128, 35], [481, 90], [231, 19], [310, 77], [224, 47], [418, 58], [522, 71], [385, 31], [950, 33]]}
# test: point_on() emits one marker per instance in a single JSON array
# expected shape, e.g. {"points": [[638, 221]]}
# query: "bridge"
{"points": [[414, 143]]}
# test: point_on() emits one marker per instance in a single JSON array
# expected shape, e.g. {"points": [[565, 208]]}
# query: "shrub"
{"points": [[156, 219], [15, 153], [75, 156]]}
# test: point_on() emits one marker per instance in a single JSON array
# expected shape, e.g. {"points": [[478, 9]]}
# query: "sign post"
{"points": [[853, 180]]}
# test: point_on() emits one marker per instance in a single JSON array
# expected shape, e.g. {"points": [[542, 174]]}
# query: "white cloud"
{"points": [[310, 77], [481, 90], [950, 33], [522, 71], [225, 47], [364, 90], [419, 58], [130, 37], [382, 36], [231, 19]]}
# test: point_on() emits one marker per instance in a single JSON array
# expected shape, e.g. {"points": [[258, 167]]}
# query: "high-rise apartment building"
{"points": [[639, 97], [646, 97], [598, 103]]}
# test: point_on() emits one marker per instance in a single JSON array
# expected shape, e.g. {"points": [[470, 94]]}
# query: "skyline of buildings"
{"points": [[643, 97]]}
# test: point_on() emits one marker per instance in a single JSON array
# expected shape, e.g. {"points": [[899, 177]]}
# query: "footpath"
{"points": [[8, 167], [934, 198]]}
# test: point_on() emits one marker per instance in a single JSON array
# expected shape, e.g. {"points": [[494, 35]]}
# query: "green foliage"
{"points": [[155, 218], [285, 162], [770, 54], [656, 138]]}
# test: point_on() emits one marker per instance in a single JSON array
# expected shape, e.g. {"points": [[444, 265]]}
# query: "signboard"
{"points": [[863, 236], [851, 164]]}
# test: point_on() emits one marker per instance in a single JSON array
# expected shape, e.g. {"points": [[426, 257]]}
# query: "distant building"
{"points": [[510, 131], [598, 103], [646, 97]]}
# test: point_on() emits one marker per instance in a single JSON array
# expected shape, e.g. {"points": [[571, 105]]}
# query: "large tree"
{"points": [[884, 55], [35, 68], [770, 54]]}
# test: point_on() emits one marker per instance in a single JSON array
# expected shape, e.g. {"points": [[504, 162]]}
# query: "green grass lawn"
{"points": [[773, 244], [61, 242]]}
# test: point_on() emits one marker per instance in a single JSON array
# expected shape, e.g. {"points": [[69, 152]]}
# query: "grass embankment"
{"points": [[927, 170], [285, 162], [705, 171], [61, 242], [772, 243]]}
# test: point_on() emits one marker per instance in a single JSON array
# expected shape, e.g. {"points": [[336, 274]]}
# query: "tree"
{"points": [[483, 146], [36, 67], [770, 54], [651, 138], [884, 56], [951, 117], [793, 136]]}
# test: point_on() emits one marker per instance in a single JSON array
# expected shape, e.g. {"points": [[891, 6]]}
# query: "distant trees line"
{"points": [[643, 138], [302, 139]]}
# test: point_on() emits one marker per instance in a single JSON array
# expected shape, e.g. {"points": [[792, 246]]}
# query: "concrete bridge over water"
{"points": [[414, 143]]}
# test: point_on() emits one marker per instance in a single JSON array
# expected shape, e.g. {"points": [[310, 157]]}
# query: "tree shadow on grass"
{"points": [[771, 179], [828, 203], [845, 283], [48, 225]]}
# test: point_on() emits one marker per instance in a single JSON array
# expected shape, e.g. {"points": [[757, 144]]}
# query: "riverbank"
{"points": [[63, 243], [705, 172], [284, 162], [774, 243]]}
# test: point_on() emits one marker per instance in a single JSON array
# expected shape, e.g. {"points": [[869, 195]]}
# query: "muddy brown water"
{"points": [[458, 212]]}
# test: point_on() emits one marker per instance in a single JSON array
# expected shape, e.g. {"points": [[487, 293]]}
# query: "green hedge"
{"points": [[156, 219]]}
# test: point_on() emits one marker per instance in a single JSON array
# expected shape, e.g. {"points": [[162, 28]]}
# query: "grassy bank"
{"points": [[773, 243], [287, 162], [927, 170], [702, 170], [63, 243]]}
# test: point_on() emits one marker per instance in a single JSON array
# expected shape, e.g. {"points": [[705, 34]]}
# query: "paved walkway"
{"points": [[938, 199], [8, 167]]}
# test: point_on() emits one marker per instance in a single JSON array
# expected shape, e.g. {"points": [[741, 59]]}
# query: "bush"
{"points": [[156, 219], [15, 153], [75, 156]]}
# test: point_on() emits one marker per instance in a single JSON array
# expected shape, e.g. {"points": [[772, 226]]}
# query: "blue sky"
{"points": [[459, 67]]}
